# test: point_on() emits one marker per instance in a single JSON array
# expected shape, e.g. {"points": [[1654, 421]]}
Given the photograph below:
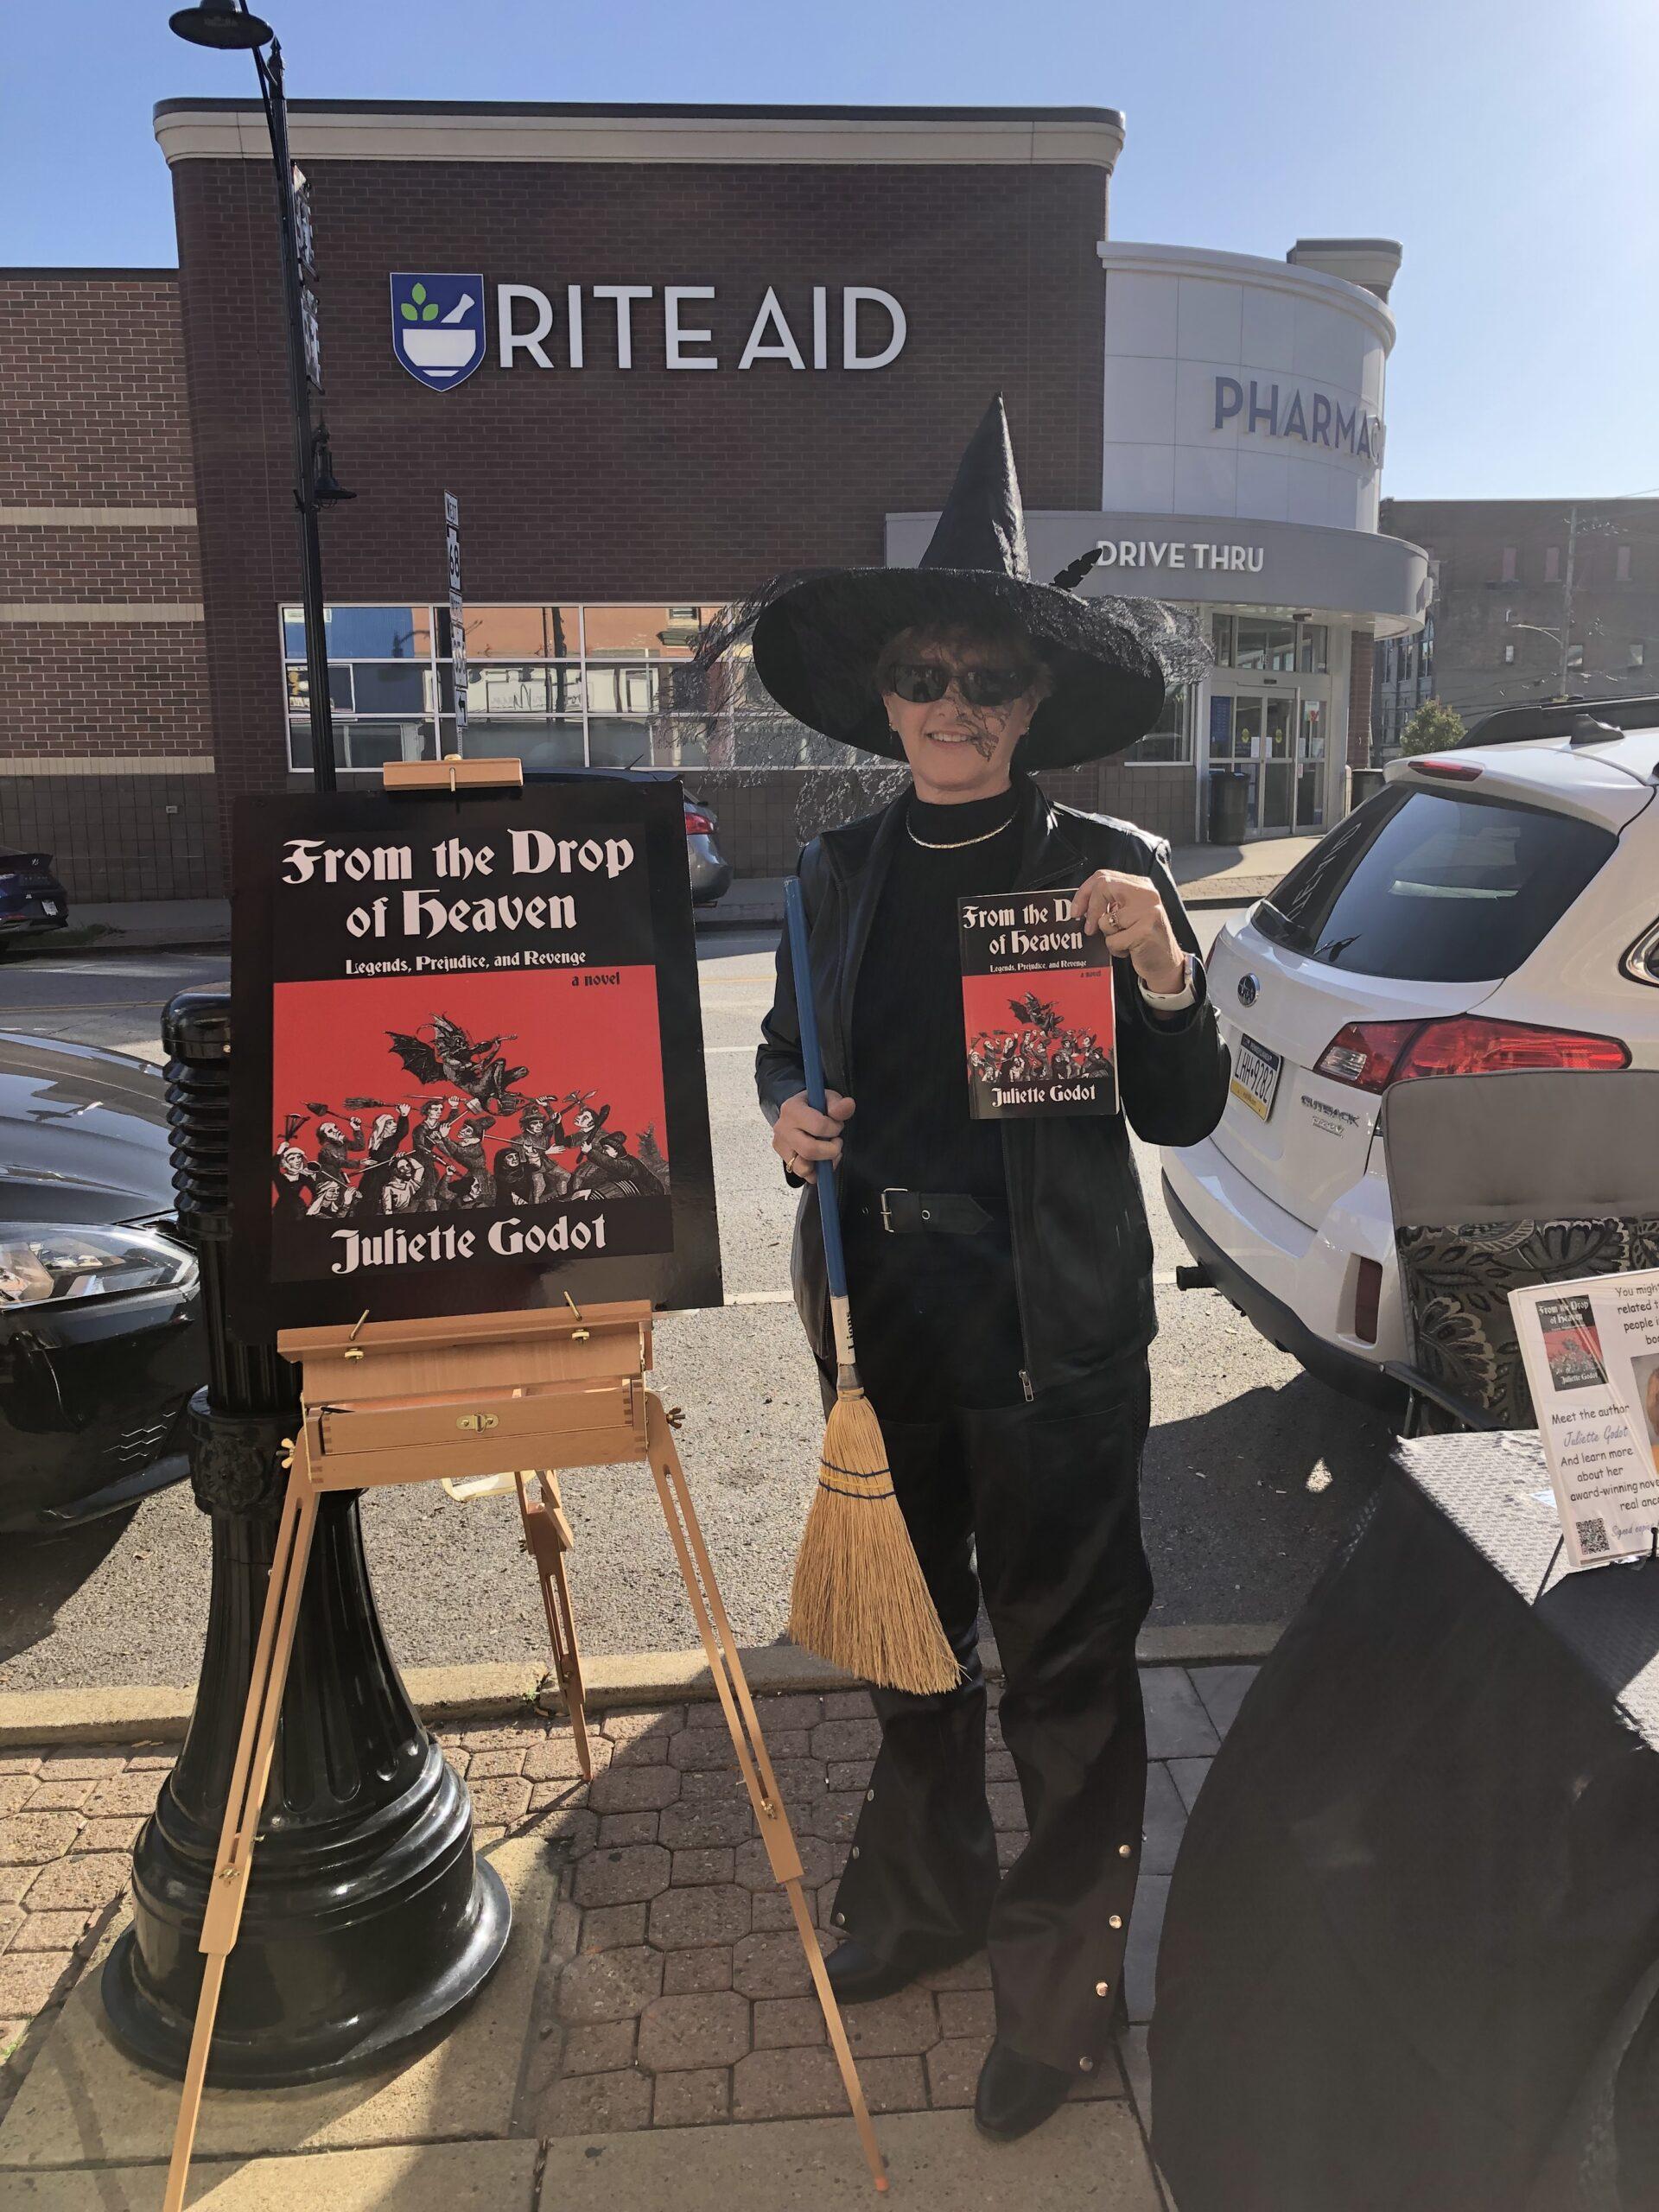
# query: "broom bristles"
{"points": [[860, 1599]]}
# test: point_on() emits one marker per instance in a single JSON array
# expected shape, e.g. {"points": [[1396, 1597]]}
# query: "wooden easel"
{"points": [[409, 1401]]}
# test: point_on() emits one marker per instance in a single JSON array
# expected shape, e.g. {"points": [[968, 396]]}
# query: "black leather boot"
{"points": [[1017, 2094], [859, 1975]]}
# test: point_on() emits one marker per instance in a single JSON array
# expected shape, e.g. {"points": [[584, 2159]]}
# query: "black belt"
{"points": [[909, 1213]]}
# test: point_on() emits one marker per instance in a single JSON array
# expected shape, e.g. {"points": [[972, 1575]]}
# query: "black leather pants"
{"points": [[1046, 1494]]}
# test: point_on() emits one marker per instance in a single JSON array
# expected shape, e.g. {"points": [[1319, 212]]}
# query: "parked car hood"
{"points": [[83, 1134]]}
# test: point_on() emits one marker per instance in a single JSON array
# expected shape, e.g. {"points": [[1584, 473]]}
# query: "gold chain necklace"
{"points": [[958, 844]]}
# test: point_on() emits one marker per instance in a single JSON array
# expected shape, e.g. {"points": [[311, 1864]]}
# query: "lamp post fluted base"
{"points": [[368, 1918]]}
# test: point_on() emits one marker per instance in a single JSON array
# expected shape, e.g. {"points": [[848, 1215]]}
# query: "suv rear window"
{"points": [[1435, 889]]}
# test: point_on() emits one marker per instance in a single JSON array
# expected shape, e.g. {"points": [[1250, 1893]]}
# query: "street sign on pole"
{"points": [[457, 616]]}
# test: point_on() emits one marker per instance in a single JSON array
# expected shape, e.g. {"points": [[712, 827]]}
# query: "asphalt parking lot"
{"points": [[1252, 1472]]}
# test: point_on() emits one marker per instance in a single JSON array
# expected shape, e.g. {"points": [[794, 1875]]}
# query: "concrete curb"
{"points": [[131, 941], [131, 1713]]}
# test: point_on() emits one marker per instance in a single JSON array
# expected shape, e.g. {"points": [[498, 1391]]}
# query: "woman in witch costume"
{"points": [[1000, 1272]]}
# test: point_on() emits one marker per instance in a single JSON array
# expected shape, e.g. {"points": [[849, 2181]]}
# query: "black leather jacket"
{"points": [[1082, 1250]]}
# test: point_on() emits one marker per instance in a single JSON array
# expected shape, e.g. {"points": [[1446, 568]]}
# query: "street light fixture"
{"points": [[225, 27], [221, 25]]}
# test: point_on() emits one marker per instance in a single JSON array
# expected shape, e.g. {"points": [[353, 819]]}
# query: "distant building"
{"points": [[1534, 600]]}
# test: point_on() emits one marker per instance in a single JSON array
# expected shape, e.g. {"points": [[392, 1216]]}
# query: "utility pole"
{"points": [[1567, 597]]}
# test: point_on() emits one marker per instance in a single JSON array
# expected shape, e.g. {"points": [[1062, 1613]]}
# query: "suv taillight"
{"points": [[698, 825], [1371, 1055]]}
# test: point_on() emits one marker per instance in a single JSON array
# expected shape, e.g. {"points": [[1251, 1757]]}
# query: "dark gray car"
{"points": [[101, 1339]]}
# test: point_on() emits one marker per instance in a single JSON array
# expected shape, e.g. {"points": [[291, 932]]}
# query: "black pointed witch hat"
{"points": [[817, 640]]}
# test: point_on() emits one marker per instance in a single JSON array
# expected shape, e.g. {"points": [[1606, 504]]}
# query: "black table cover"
{"points": [[1411, 1955]]}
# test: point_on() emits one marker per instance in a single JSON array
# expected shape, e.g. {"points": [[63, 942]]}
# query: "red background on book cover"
{"points": [[1081, 996], [329, 1042]]}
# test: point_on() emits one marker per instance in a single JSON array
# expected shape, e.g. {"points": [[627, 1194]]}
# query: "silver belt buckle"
{"points": [[899, 1190]]}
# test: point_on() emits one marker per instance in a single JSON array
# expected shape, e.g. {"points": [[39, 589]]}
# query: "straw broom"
{"points": [[859, 1598]]}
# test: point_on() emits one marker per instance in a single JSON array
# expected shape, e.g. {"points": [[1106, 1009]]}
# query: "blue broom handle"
{"points": [[800, 960]]}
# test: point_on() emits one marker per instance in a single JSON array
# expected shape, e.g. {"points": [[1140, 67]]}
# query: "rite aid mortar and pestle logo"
{"points": [[437, 326]]}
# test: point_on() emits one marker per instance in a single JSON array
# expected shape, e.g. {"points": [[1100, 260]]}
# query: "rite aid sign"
{"points": [[438, 328]]}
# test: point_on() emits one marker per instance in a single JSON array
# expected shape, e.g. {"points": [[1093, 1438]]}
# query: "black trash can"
{"points": [[1362, 784], [1228, 795]]}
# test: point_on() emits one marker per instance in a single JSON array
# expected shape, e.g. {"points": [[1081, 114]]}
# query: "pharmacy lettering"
{"points": [[469, 1065]]}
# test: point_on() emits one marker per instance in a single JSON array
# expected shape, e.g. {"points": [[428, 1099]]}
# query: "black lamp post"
{"points": [[227, 27], [368, 1918]]}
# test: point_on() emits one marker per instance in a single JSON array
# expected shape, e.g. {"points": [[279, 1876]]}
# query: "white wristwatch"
{"points": [[1172, 1001]]}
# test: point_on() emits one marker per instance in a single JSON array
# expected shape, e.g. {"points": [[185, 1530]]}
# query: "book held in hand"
{"points": [[1037, 1008]]}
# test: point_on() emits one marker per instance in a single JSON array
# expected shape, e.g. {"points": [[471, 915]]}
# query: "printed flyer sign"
{"points": [[1591, 1349], [1037, 1008], [468, 1056]]}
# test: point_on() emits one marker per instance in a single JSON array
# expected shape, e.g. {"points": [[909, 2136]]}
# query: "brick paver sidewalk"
{"points": [[675, 1993]]}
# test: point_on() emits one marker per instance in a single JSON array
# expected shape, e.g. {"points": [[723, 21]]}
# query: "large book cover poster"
{"points": [[469, 1063], [1037, 1017]]}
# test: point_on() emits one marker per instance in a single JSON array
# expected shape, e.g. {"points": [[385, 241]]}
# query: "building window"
{"points": [[1170, 738], [1508, 656], [1313, 648], [1552, 564], [1507, 575], [1622, 565], [1263, 647], [571, 686], [1223, 634], [1575, 655], [1639, 654]]}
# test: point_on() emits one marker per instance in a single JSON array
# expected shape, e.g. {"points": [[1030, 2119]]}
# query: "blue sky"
{"points": [[1507, 146]]}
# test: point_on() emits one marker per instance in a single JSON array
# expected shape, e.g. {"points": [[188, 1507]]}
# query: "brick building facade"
{"points": [[601, 488], [107, 757], [1534, 600]]}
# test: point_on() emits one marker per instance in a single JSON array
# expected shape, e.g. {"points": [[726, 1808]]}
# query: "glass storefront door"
{"points": [[1278, 738]]}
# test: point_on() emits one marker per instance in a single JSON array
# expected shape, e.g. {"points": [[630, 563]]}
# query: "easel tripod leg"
{"points": [[719, 1647], [250, 1774], [547, 1540]]}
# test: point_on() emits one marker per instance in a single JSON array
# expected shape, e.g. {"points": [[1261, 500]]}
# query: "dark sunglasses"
{"points": [[921, 682]]}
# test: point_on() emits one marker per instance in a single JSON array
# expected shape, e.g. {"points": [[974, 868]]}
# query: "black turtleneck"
{"points": [[945, 1303]]}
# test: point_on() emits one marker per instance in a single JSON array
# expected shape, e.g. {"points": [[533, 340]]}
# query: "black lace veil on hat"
{"points": [[816, 636]]}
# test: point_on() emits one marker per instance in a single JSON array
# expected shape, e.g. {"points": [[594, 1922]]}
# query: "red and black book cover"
{"points": [[467, 1068], [1572, 1343], [1036, 1009]]}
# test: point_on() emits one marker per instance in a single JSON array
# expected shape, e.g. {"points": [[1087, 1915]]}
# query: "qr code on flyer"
{"points": [[1592, 1535]]}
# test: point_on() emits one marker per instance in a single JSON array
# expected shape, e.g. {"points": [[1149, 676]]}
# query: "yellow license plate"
{"points": [[1256, 1076]]}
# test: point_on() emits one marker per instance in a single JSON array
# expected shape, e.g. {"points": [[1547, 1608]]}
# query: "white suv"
{"points": [[1493, 907]]}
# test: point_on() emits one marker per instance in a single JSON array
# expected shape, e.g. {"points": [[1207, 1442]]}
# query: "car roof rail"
{"points": [[1515, 725]]}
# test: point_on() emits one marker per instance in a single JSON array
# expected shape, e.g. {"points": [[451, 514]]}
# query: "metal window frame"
{"points": [[437, 662]]}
